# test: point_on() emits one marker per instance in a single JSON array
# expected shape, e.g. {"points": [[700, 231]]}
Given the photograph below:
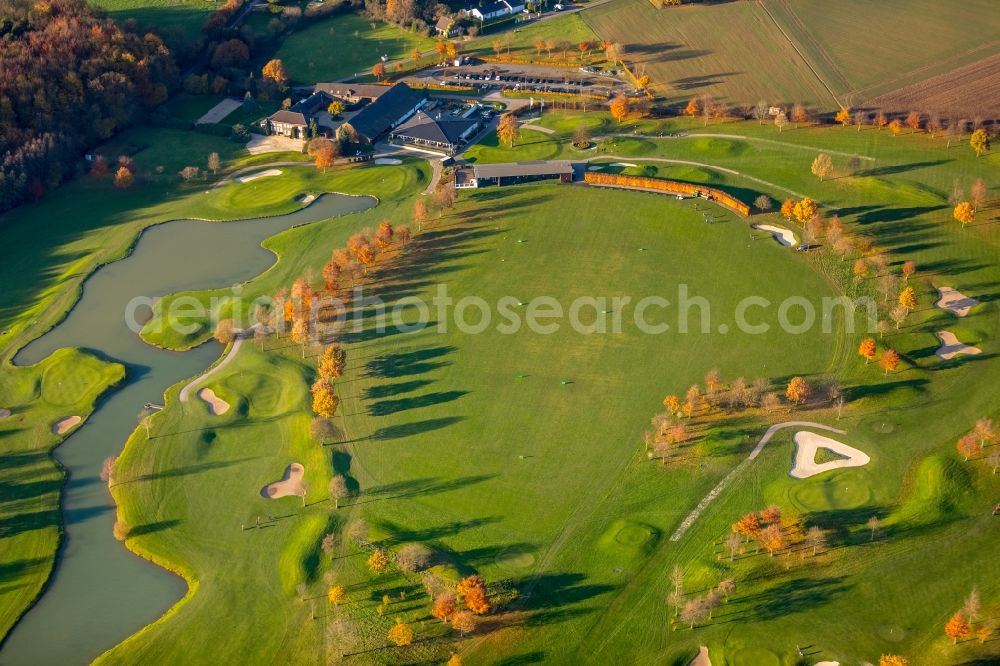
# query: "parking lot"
{"points": [[530, 78]]}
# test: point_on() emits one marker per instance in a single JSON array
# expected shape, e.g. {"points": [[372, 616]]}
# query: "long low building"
{"points": [[511, 173], [442, 132]]}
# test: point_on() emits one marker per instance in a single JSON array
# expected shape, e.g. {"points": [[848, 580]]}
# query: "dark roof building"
{"points": [[390, 110], [441, 132], [353, 92], [519, 172], [295, 120]]}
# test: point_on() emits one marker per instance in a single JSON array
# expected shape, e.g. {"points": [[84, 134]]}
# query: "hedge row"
{"points": [[668, 186]]}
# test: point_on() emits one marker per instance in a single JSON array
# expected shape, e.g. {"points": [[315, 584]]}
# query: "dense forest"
{"points": [[68, 80]]}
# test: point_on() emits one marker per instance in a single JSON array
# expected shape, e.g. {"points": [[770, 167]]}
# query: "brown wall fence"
{"points": [[667, 187]]}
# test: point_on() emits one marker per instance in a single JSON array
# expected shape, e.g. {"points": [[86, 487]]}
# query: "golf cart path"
{"points": [[238, 338], [719, 487]]}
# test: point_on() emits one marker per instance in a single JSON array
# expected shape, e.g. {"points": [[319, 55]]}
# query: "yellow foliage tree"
{"points": [[893, 660], [274, 70], [964, 213], [401, 633], [619, 108], [908, 298], [507, 129], [980, 142], [335, 595], [378, 561], [325, 402], [843, 116], [805, 209]]}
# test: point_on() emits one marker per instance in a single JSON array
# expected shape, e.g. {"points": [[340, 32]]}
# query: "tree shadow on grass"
{"points": [[380, 391], [415, 428], [403, 364], [429, 486], [787, 598], [900, 168], [151, 528], [536, 657], [852, 393], [16, 569], [387, 407]]}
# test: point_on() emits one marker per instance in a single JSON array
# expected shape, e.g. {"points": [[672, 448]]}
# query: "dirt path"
{"points": [[719, 487]]}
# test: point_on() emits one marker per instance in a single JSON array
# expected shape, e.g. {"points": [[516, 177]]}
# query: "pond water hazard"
{"points": [[100, 593]]}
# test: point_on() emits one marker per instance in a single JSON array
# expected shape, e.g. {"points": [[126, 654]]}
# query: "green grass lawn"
{"points": [[519, 456], [522, 40], [185, 16], [344, 45]]}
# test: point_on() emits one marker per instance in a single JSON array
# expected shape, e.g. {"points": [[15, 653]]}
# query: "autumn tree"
{"points": [[772, 538], [325, 155], [896, 127], [957, 628], [507, 129], [472, 591], [401, 633], [914, 121], [693, 107], [822, 166], [972, 605], [892, 660], [780, 120], [214, 162], [797, 390], [274, 70], [733, 541], [325, 401], [968, 446], [420, 213], [224, 333], [880, 120], [378, 70], [335, 595], [788, 209], [748, 526], [805, 209], [909, 269], [908, 298], [964, 213], [444, 607], [672, 404], [980, 142], [763, 203], [867, 350], [619, 108], [378, 561], [889, 361], [301, 333], [873, 524], [843, 116], [799, 113], [124, 178], [332, 362], [694, 612], [898, 315]]}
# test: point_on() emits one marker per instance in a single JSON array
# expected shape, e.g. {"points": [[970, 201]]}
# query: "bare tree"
{"points": [[873, 524], [760, 110], [993, 459], [339, 489], [727, 586], [677, 578], [898, 314], [733, 541], [693, 612], [329, 544], [816, 538], [413, 557], [108, 470], [972, 605], [763, 203]]}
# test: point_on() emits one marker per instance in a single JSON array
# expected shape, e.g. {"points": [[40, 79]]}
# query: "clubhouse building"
{"points": [[484, 175]]}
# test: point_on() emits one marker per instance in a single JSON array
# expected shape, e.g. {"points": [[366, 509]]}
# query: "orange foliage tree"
{"points": [[867, 349], [472, 590], [332, 362], [968, 446], [275, 71], [619, 108], [507, 129], [748, 526], [797, 390], [124, 178], [957, 628], [444, 607], [889, 361]]}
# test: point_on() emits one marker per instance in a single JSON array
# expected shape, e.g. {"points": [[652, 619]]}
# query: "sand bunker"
{"points": [[807, 443], [62, 425], [595, 168], [259, 174], [951, 347], [307, 198], [290, 485], [782, 235], [955, 301], [4, 413], [388, 160], [623, 164], [216, 404], [701, 659]]}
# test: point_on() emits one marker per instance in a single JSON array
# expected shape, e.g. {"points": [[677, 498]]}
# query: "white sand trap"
{"points": [[62, 425], [217, 405], [595, 168], [289, 486], [4, 413], [701, 659], [388, 160], [827, 663], [623, 164], [955, 301], [307, 198], [259, 174], [782, 235], [951, 347], [807, 443]]}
